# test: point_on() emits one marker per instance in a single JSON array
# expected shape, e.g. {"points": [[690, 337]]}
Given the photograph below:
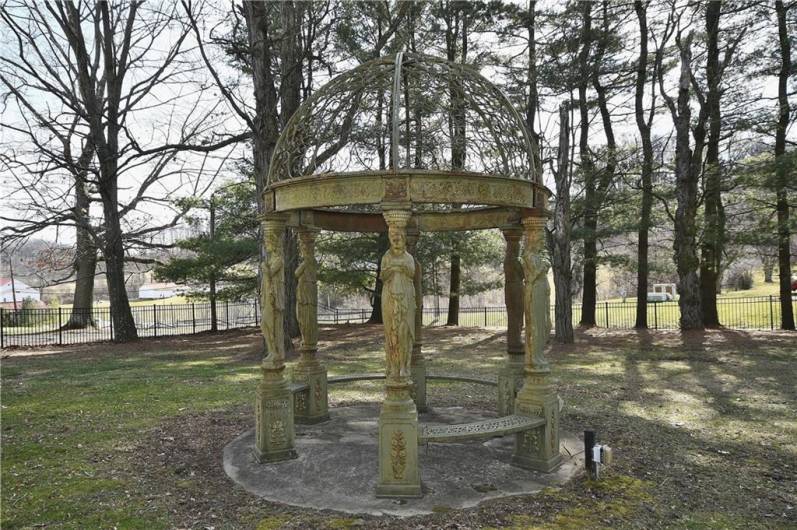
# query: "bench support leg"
{"points": [[538, 449], [310, 406]]}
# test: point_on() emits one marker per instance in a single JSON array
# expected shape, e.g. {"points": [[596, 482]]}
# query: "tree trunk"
{"points": [[290, 96], [641, 321], [782, 174], [769, 267], [685, 256], [713, 236], [563, 305], [85, 262], [453, 292], [113, 251], [587, 167]]}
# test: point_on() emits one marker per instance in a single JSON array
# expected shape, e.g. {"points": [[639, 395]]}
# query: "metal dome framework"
{"points": [[403, 145], [411, 129]]}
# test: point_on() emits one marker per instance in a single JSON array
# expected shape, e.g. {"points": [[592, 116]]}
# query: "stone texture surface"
{"points": [[336, 467]]}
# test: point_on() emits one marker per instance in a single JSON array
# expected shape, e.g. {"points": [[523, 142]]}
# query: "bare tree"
{"points": [[113, 70]]}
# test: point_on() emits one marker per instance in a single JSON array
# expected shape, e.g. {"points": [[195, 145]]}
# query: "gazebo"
{"points": [[407, 144]]}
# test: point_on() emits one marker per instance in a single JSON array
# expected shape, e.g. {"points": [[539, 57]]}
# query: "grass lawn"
{"points": [[130, 436]]}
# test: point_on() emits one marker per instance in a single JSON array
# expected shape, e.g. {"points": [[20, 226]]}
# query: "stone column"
{"points": [[510, 376], [274, 404], [398, 420], [417, 363], [309, 406], [537, 449]]}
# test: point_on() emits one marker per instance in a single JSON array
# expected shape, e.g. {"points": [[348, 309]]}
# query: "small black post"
{"points": [[607, 314], [227, 313], [155, 319], [771, 314], [655, 316], [2, 331], [589, 443], [193, 318], [256, 320], [60, 329], [110, 318]]}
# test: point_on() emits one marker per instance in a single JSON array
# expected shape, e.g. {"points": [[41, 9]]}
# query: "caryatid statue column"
{"points": [[309, 406], [537, 449], [510, 376], [417, 363], [398, 420], [274, 432]]}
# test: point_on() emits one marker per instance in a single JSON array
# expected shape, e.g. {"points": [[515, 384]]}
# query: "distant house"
{"points": [[23, 291], [154, 291]]}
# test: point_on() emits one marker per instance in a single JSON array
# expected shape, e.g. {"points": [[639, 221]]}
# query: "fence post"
{"points": [[60, 330], [485, 316], [155, 319], [227, 313], [110, 319], [2, 331], [771, 314], [363, 315], [336, 316], [606, 304], [255, 302], [193, 317]]}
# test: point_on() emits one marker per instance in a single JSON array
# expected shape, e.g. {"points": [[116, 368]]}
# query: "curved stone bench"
{"points": [[478, 430]]}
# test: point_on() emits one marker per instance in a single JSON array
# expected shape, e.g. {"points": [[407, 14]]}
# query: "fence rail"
{"points": [[40, 327]]}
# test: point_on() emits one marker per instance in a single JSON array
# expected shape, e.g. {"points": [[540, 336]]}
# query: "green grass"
{"points": [[700, 425]]}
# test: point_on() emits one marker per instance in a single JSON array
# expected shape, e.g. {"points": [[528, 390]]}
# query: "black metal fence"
{"points": [[39, 327], [735, 313]]}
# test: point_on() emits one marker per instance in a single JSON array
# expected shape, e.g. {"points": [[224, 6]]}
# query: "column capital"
{"points": [[534, 223], [398, 218], [512, 233]]}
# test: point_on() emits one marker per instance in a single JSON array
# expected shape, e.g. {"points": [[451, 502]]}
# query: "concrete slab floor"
{"points": [[337, 467]]}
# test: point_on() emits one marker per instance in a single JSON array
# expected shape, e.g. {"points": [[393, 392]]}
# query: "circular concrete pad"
{"points": [[337, 467]]}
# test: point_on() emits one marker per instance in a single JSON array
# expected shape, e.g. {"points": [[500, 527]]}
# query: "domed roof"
{"points": [[405, 112]]}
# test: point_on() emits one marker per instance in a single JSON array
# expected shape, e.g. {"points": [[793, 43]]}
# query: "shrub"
{"points": [[740, 280]]}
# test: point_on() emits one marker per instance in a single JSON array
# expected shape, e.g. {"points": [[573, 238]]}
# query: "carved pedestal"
{"points": [[399, 475], [398, 420], [538, 449], [310, 406], [510, 381], [273, 417]]}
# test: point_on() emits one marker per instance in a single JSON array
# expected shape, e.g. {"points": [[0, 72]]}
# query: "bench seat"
{"points": [[478, 430]]}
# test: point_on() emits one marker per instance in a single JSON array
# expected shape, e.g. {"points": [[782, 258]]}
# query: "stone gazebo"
{"points": [[407, 144]]}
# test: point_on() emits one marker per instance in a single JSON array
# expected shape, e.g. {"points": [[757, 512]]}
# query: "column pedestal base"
{"points": [[310, 406], [538, 449], [274, 433], [398, 445]]}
